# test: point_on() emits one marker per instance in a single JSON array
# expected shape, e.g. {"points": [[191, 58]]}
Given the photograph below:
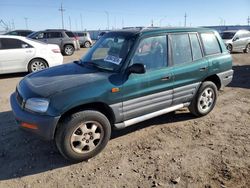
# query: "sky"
{"points": [[100, 14]]}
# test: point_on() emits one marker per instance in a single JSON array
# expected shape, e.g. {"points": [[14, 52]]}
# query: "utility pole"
{"points": [[69, 23], [81, 22], [248, 20], [107, 14], [62, 10], [26, 22], [122, 23], [152, 23], [185, 20]]}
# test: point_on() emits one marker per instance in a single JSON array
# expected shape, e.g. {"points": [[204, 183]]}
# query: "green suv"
{"points": [[127, 77]]}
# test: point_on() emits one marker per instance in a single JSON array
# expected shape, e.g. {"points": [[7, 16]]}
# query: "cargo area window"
{"points": [[210, 43]]}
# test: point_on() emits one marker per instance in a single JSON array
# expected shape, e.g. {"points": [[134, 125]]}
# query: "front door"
{"points": [[151, 91]]}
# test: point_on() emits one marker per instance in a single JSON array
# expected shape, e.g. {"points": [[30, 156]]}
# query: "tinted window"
{"points": [[227, 35], [10, 43], [54, 35], [211, 45], [196, 49], [70, 34], [152, 52], [181, 51], [39, 36]]}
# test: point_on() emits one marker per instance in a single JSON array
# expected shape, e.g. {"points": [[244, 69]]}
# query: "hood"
{"points": [[56, 79]]}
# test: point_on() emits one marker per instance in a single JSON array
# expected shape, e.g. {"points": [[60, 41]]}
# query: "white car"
{"points": [[20, 54]]}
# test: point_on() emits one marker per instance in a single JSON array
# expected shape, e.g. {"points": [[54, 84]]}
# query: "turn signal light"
{"points": [[29, 126]]}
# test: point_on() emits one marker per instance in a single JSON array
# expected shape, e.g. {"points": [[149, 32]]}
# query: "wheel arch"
{"points": [[98, 106], [215, 79]]}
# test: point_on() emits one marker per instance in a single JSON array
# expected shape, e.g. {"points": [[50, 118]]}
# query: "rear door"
{"points": [[151, 91], [54, 38], [190, 67], [15, 55]]}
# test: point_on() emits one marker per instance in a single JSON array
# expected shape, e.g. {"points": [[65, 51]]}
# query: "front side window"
{"points": [[210, 42], [196, 48], [181, 51], [41, 35], [152, 52], [108, 53]]}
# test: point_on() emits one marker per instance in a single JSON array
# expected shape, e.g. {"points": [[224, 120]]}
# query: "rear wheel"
{"points": [[205, 99], [36, 65], [87, 44], [68, 50], [83, 135], [247, 49]]}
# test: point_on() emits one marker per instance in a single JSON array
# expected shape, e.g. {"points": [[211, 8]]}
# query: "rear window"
{"points": [[211, 44], [70, 34]]}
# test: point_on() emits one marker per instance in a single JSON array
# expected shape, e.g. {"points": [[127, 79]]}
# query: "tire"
{"points": [[205, 99], [36, 65], [83, 135], [247, 49], [87, 44], [230, 48], [68, 50]]}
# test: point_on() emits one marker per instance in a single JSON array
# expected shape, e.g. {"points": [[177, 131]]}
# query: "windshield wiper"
{"points": [[96, 65]]}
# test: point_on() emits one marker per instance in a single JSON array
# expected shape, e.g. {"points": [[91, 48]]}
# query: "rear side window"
{"points": [[181, 52], [54, 35], [7, 43], [196, 48], [210, 42], [70, 34]]}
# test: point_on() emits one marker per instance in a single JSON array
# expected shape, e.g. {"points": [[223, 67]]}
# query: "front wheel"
{"points": [[205, 99], [230, 48], [83, 135]]}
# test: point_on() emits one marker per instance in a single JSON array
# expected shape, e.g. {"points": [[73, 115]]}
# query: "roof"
{"points": [[13, 37], [162, 30]]}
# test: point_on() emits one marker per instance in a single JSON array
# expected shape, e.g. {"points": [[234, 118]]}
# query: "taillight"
{"points": [[56, 50]]}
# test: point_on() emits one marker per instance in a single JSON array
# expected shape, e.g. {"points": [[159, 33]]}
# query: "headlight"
{"points": [[37, 104]]}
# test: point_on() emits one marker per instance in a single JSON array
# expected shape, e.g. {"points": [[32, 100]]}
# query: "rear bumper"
{"points": [[225, 77], [46, 125]]}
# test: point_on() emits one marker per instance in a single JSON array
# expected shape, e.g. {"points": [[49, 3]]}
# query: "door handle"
{"points": [[166, 78], [203, 69]]}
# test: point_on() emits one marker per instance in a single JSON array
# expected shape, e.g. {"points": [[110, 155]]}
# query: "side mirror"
{"points": [[137, 68], [25, 46]]}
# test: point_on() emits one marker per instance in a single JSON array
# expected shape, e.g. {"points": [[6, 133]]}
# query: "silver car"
{"points": [[84, 39], [237, 41]]}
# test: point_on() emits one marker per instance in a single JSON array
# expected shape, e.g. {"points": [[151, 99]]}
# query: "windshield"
{"points": [[227, 35], [109, 52]]}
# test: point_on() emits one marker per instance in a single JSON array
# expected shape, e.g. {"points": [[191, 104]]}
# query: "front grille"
{"points": [[19, 99]]}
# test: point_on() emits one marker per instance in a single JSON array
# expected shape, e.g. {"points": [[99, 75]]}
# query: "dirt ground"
{"points": [[174, 150]]}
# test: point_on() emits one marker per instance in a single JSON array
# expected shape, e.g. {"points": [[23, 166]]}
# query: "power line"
{"points": [[62, 10]]}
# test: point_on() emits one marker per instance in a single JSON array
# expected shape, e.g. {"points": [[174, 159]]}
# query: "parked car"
{"points": [[23, 33], [101, 34], [237, 41], [20, 54], [141, 74], [67, 41], [84, 39]]}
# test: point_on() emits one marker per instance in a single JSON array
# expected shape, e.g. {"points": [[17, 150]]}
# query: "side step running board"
{"points": [[149, 116]]}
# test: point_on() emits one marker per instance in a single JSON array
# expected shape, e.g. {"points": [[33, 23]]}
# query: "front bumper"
{"points": [[46, 125]]}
